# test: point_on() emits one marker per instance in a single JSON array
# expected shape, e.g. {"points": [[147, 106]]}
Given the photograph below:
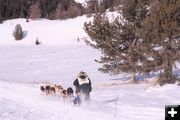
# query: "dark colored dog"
{"points": [[70, 92], [47, 89], [42, 88]]}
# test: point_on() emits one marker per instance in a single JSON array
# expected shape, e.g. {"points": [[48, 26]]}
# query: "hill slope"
{"points": [[60, 57]]}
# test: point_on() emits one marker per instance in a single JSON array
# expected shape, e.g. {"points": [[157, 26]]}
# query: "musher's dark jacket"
{"points": [[83, 84]]}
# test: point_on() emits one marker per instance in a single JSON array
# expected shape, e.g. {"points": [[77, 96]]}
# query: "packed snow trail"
{"points": [[24, 102], [20, 101]]}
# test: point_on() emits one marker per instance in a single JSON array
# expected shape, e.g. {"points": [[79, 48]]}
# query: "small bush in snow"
{"points": [[18, 33], [37, 42]]}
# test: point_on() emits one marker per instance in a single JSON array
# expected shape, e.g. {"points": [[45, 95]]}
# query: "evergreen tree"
{"points": [[1, 20], [92, 6], [118, 40], [14, 8], [18, 33], [48, 7], [10, 9], [68, 9], [35, 11], [161, 36], [106, 4]]}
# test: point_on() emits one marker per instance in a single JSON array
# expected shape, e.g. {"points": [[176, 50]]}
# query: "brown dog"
{"points": [[58, 88], [64, 94], [53, 90]]}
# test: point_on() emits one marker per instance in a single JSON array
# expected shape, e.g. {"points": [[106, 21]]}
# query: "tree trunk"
{"points": [[167, 77], [168, 69], [133, 77], [168, 72], [133, 74]]}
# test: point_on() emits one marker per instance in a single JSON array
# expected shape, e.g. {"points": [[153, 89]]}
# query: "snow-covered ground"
{"points": [[58, 59], [21, 101], [49, 32]]}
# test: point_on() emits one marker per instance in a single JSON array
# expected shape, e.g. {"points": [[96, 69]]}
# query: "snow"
{"points": [[24, 101], [25, 66], [81, 1]]}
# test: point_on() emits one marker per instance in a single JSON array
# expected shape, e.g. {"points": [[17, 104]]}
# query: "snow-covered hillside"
{"points": [[58, 59], [49, 32]]}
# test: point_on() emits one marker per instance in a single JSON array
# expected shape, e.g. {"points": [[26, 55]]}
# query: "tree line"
{"points": [[144, 37], [10, 9], [51, 9]]}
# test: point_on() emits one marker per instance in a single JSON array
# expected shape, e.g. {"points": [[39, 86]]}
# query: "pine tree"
{"points": [[118, 40], [35, 11], [106, 4], [1, 20], [48, 7], [68, 9], [14, 8], [92, 6], [161, 36], [18, 33]]}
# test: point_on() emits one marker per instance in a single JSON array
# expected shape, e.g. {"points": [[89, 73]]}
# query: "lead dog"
{"points": [[42, 89]]}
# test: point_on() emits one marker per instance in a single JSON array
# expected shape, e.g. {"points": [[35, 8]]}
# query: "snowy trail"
{"points": [[26, 102], [22, 101]]}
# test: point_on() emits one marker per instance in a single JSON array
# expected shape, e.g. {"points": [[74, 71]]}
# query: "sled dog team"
{"points": [[57, 90], [82, 89]]}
